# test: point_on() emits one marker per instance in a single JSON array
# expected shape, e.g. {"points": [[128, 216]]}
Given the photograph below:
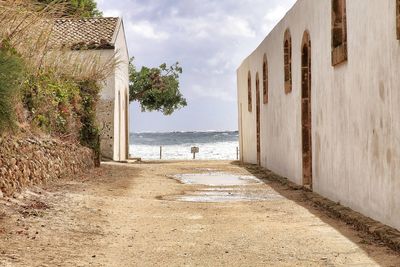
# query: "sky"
{"points": [[209, 38]]}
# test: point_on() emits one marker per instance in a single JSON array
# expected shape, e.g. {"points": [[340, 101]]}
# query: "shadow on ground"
{"points": [[368, 230]]}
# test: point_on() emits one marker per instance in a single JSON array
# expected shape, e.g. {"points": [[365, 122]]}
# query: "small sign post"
{"points": [[195, 150]]}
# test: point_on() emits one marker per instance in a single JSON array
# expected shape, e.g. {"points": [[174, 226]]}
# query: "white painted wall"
{"points": [[105, 109], [121, 91], [355, 107]]}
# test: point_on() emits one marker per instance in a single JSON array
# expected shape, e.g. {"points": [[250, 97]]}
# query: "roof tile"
{"points": [[90, 33]]}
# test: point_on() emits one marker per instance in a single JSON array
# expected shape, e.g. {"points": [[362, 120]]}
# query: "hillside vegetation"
{"points": [[40, 93]]}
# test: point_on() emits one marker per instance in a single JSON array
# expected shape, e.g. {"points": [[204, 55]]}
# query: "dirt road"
{"points": [[138, 215]]}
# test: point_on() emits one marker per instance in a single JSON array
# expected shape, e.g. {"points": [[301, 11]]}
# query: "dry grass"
{"points": [[81, 65], [27, 28]]}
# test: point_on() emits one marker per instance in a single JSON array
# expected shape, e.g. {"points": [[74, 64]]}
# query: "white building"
{"points": [[104, 38], [319, 103]]}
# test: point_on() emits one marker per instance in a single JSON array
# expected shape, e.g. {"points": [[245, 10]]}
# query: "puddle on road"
{"points": [[228, 196], [217, 179], [224, 187]]}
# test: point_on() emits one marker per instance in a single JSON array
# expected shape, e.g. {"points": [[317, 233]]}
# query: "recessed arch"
{"points": [[265, 79], [258, 119], [398, 18], [306, 112], [287, 48], [339, 32], [249, 97]]}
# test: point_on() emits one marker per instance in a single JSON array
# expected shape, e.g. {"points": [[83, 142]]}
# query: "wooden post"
{"points": [[160, 152], [195, 150], [237, 153]]}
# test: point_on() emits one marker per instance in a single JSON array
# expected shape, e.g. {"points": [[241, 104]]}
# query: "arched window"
{"points": [[339, 32], [398, 18], [249, 100], [265, 80], [287, 44]]}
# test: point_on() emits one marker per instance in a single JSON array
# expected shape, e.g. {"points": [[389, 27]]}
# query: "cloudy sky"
{"points": [[209, 38]]}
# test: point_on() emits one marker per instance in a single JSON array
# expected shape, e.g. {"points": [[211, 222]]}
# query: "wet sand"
{"points": [[150, 215]]}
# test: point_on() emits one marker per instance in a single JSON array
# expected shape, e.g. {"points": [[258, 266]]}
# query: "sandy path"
{"points": [[118, 216]]}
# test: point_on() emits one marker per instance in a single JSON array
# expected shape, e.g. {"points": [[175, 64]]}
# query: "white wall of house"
{"points": [[106, 110], [355, 107], [113, 111], [121, 109]]}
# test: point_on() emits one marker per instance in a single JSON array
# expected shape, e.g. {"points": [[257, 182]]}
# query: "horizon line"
{"points": [[188, 131]]}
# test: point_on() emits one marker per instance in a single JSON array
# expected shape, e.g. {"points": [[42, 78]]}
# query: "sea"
{"points": [[213, 145]]}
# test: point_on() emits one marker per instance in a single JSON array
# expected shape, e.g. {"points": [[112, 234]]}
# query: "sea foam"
{"points": [[177, 145]]}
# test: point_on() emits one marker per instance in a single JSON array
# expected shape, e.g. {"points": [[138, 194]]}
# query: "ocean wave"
{"points": [[183, 138], [177, 146], [203, 131]]}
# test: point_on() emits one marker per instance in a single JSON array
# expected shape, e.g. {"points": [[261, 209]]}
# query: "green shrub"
{"points": [[90, 133], [53, 104], [64, 107], [11, 75]]}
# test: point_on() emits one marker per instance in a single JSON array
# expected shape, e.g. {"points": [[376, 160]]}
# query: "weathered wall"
{"points": [[105, 108], [27, 161], [355, 110], [121, 109], [105, 118], [113, 108]]}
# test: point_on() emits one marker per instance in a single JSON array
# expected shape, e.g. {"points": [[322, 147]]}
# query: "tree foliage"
{"points": [[80, 8], [156, 89]]}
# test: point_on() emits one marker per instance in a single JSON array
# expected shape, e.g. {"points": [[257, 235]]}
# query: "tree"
{"points": [[80, 8], [156, 89]]}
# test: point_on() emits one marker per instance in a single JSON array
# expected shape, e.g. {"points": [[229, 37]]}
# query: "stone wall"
{"points": [[27, 161], [105, 117]]}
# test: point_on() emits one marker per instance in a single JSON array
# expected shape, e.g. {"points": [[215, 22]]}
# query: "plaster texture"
{"points": [[354, 105]]}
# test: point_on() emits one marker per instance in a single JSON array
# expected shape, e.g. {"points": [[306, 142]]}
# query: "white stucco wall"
{"points": [[121, 114], [355, 107], [105, 109]]}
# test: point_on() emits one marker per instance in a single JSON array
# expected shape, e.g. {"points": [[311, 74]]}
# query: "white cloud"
{"points": [[236, 26], [218, 93], [213, 26], [146, 30], [112, 13], [209, 38]]}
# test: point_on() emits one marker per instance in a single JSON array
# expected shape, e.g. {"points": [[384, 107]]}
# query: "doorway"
{"points": [[258, 120], [119, 126], [306, 110], [127, 124]]}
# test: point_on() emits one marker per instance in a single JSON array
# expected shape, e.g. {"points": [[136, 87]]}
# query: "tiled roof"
{"points": [[91, 33]]}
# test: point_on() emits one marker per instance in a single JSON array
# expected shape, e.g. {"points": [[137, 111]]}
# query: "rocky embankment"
{"points": [[27, 161]]}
